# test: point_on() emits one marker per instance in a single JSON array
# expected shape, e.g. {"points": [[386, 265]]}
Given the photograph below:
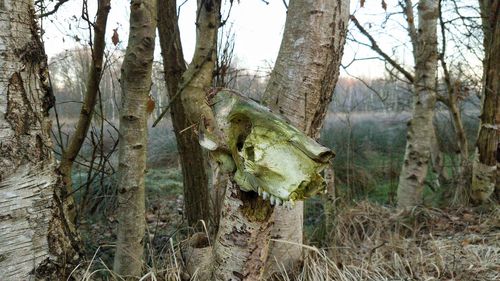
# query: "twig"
{"points": [[54, 10], [286, 5], [377, 49]]}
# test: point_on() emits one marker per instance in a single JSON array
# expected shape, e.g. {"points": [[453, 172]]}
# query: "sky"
{"points": [[258, 26]]}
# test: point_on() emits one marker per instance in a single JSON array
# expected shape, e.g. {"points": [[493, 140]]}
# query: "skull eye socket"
{"points": [[240, 142], [241, 127]]}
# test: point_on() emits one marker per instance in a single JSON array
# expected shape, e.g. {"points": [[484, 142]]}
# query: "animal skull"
{"points": [[272, 157]]}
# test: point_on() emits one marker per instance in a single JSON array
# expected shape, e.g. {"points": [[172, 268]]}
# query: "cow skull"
{"points": [[272, 157]]}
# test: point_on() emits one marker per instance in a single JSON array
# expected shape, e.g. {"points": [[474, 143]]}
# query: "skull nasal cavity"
{"points": [[250, 153]]}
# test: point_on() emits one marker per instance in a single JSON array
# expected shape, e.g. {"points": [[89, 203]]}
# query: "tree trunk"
{"points": [[453, 89], [485, 177], [36, 240], [75, 143], [462, 183], [329, 200], [301, 87], [420, 128], [195, 180], [437, 158], [242, 244], [136, 84]]}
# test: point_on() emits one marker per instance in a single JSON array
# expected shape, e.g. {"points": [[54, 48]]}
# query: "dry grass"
{"points": [[371, 242], [375, 243]]}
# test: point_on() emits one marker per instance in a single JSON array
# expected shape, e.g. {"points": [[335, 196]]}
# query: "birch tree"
{"points": [[486, 176], [136, 84], [301, 87], [420, 128], [36, 239], [450, 98]]}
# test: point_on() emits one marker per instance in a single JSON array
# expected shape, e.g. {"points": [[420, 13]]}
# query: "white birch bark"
{"points": [[420, 128], [300, 88], [33, 232]]}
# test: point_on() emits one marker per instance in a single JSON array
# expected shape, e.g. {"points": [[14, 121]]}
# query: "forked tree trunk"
{"points": [[240, 249], [36, 240], [136, 85], [420, 128], [485, 177], [195, 180], [300, 88]]}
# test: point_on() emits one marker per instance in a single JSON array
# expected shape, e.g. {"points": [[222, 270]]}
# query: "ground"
{"points": [[371, 242]]}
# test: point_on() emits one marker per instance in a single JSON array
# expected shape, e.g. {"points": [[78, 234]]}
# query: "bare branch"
{"points": [[368, 86], [286, 5], [374, 46], [54, 10], [410, 19]]}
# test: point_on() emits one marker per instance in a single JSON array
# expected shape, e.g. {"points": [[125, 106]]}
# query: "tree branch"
{"points": [[374, 46], [410, 19], [76, 141], [54, 10]]}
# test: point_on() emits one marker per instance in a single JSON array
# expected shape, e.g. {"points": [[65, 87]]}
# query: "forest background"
{"points": [[356, 233]]}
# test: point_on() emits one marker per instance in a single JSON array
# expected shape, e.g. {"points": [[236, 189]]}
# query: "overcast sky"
{"points": [[258, 29]]}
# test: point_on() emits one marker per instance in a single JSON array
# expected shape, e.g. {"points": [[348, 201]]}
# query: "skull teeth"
{"points": [[288, 204], [278, 201]]}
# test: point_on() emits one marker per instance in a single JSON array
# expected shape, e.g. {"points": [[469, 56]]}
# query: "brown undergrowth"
{"points": [[371, 242], [375, 243]]}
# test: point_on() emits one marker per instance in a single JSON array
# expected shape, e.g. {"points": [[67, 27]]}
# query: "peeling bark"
{"points": [[36, 240], [136, 85], [241, 245], [300, 88], [485, 177], [420, 128]]}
